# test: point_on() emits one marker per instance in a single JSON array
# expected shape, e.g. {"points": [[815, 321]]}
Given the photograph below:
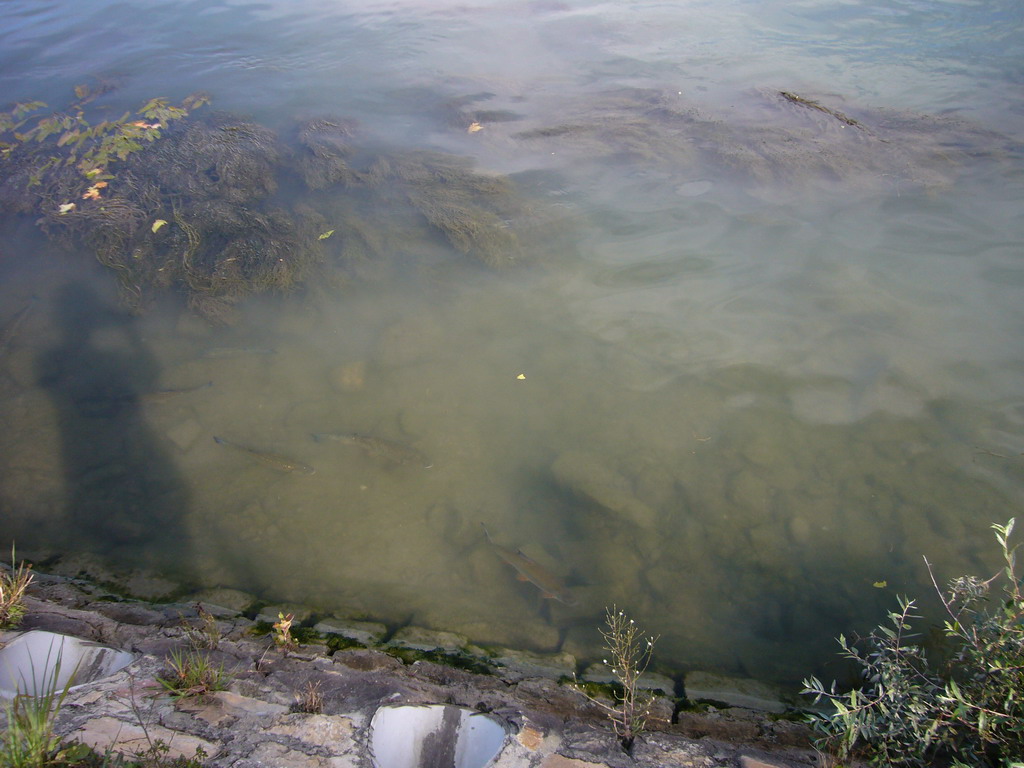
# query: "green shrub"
{"points": [[965, 709]]}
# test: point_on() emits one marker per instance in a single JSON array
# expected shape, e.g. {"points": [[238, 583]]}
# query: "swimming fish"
{"points": [[396, 453], [11, 328], [273, 460], [530, 570], [163, 395], [220, 353]]}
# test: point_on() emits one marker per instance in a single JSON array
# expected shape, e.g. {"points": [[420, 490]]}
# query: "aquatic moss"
{"points": [[462, 661], [169, 202], [470, 209], [326, 149], [341, 643]]}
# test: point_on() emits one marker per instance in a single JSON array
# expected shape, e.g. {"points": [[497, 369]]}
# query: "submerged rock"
{"points": [[590, 477]]}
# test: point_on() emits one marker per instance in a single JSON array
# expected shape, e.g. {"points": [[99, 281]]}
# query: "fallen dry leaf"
{"points": [[474, 127]]}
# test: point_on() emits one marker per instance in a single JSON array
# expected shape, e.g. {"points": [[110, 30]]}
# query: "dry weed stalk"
{"points": [[310, 699], [629, 656]]}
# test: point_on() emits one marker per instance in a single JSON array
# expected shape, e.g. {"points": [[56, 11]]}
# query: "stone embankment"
{"points": [[263, 717]]}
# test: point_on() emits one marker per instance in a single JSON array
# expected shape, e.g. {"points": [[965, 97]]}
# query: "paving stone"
{"points": [[560, 761], [108, 733], [331, 732], [220, 706], [530, 736], [746, 761], [275, 755]]}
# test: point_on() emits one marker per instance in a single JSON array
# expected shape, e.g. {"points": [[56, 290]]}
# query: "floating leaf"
{"points": [[880, 584], [326, 234], [66, 208], [521, 376], [157, 224], [474, 127]]}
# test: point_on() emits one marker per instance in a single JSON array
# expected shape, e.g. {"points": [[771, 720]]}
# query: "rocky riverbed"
{"points": [[259, 719]]}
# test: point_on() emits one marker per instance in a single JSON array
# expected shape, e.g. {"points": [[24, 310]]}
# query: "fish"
{"points": [[218, 353], [394, 452], [530, 570], [163, 395], [273, 460], [11, 328]]}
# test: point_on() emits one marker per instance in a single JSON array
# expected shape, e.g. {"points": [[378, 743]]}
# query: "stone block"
{"points": [[270, 613], [601, 673], [737, 692], [422, 639], [279, 756], [518, 665], [223, 602], [365, 632]]}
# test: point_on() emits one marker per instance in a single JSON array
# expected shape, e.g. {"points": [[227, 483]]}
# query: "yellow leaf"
{"points": [[521, 376], [66, 208], [157, 224], [474, 127], [880, 584], [326, 234]]}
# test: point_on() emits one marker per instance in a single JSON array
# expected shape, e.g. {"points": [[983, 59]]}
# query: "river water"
{"points": [[759, 357]]}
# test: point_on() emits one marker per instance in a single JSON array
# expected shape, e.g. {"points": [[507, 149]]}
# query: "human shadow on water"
{"points": [[124, 498]]}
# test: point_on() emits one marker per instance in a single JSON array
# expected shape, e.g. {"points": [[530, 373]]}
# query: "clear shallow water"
{"points": [[801, 382]]}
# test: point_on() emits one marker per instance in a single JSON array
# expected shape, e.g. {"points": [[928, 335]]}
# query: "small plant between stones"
{"points": [[966, 709], [12, 592], [310, 699], [203, 632], [629, 656], [191, 673], [282, 632], [29, 739]]}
